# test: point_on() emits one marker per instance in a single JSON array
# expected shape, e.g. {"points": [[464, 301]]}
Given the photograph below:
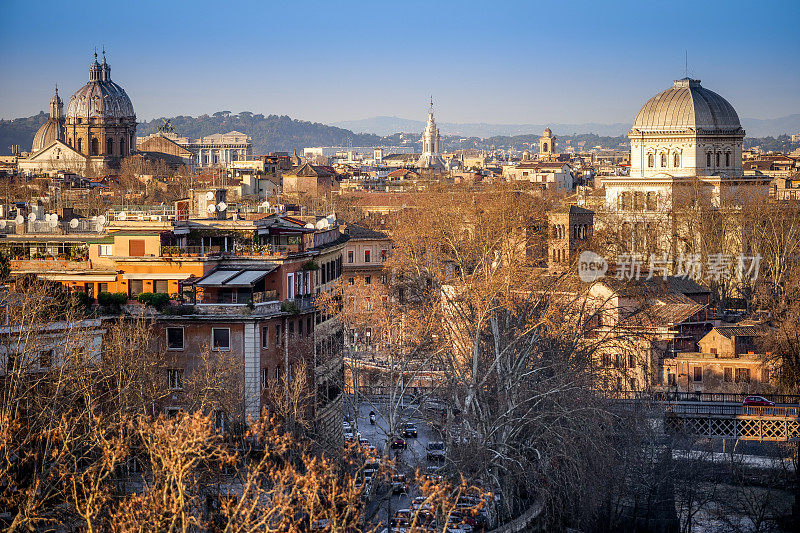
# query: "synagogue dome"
{"points": [[687, 106]]}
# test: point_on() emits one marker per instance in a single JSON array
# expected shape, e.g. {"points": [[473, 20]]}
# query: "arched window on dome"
{"points": [[650, 160], [95, 146], [708, 159], [727, 159], [718, 154], [110, 146], [663, 160], [676, 160], [122, 146]]}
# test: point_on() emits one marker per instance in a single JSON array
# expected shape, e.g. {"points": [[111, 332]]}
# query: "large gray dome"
{"points": [[687, 106], [100, 98]]}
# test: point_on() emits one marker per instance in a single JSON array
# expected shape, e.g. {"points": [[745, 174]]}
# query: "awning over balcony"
{"points": [[234, 278]]}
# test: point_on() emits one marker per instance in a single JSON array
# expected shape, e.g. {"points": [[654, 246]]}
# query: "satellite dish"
{"points": [[122, 215], [101, 220], [211, 208], [319, 224], [325, 223], [19, 220], [73, 223], [222, 206], [310, 225], [99, 228], [210, 195], [53, 222], [2, 223], [32, 217]]}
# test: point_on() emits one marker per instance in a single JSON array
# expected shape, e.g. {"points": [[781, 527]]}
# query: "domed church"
{"points": [[98, 130], [686, 146]]}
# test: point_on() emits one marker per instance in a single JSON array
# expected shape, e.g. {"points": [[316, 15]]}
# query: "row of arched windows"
{"points": [[638, 201], [718, 159], [676, 160], [112, 148], [579, 231], [637, 237]]}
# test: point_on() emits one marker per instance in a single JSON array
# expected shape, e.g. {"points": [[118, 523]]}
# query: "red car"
{"points": [[398, 444], [758, 401]]}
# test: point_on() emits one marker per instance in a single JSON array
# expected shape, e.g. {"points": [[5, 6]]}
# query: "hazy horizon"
{"points": [[515, 63]]}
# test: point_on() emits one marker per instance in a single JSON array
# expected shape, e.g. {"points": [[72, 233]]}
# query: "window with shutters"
{"points": [[136, 287], [742, 375], [136, 247], [727, 375]]}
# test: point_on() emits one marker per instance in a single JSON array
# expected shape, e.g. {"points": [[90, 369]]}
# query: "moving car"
{"points": [[409, 430], [398, 444], [758, 401]]}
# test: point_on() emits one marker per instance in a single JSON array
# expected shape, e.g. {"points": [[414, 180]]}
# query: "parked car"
{"points": [[435, 450], [409, 430], [758, 401], [401, 521], [399, 485], [398, 444]]}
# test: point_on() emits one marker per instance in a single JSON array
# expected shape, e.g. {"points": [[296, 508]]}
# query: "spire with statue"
{"points": [[430, 158]]}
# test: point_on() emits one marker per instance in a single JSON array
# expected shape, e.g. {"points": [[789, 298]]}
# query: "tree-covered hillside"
{"points": [[20, 131], [269, 133]]}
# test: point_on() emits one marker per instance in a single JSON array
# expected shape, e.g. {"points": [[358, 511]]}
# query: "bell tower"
{"points": [[547, 144]]}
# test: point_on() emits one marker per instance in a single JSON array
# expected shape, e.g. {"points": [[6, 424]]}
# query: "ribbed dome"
{"points": [[100, 98], [47, 133], [687, 105]]}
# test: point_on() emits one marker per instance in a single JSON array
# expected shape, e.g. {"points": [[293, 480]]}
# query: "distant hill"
{"points": [[272, 133], [20, 131], [281, 133], [387, 125]]}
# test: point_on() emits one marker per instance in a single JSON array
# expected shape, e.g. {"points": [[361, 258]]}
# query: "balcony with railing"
{"points": [[266, 251]]}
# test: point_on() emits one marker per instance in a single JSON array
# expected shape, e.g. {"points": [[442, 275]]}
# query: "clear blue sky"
{"points": [[490, 61]]}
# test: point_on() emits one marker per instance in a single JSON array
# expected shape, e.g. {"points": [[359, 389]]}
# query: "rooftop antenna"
{"points": [[686, 62]]}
